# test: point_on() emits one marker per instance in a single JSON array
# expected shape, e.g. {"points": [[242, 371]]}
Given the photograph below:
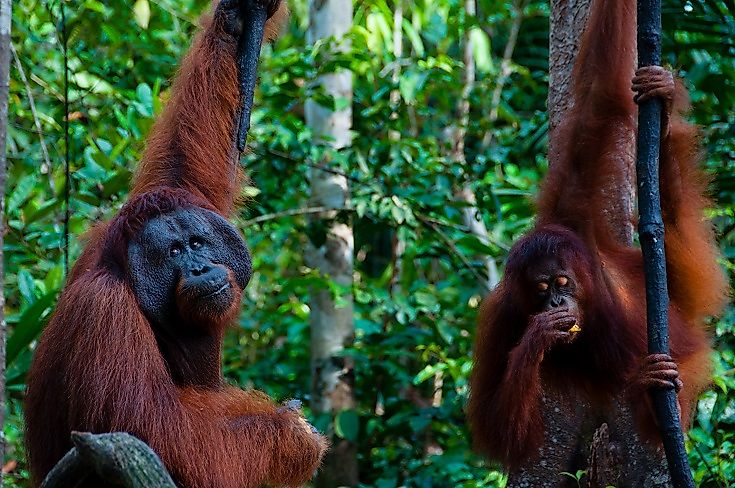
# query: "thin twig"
{"points": [[510, 47], [67, 152], [293, 212], [288, 157], [36, 121], [173, 12], [453, 248], [707, 465], [507, 58], [464, 229], [47, 87]]}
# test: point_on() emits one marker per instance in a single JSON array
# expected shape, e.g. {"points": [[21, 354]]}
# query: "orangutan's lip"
{"points": [[216, 292]]}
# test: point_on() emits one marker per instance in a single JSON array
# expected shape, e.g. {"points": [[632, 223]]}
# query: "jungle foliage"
{"points": [[414, 314]]}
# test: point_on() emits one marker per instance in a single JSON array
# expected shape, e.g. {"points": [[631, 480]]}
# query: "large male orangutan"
{"points": [[135, 342], [568, 319]]}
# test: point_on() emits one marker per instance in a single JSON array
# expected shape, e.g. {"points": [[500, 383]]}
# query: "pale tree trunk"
{"points": [[568, 19], [577, 436], [399, 246], [5, 55], [470, 213], [395, 94], [332, 327]]}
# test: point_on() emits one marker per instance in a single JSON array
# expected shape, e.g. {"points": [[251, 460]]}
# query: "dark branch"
{"points": [[651, 234], [117, 459]]}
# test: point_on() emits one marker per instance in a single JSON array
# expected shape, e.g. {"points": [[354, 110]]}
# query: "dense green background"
{"points": [[413, 336]]}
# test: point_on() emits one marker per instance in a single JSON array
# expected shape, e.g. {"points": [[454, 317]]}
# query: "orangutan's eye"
{"points": [[196, 243], [542, 286], [562, 281], [175, 250]]}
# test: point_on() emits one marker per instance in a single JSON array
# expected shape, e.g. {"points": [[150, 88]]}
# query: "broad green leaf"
{"points": [[142, 11], [145, 96], [347, 425], [23, 189], [26, 286], [29, 325], [481, 50]]}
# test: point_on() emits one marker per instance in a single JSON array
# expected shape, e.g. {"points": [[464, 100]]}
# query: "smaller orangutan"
{"points": [[135, 342], [568, 319]]}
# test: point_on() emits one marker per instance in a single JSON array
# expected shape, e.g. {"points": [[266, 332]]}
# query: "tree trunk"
{"points": [[395, 94], [470, 213], [399, 245], [568, 19], [5, 56], [332, 327]]}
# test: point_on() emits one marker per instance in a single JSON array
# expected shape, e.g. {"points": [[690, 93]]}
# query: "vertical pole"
{"points": [[67, 138], [5, 54], [651, 232]]}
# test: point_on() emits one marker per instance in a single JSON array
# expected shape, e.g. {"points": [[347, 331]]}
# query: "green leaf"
{"points": [[342, 103], [419, 423], [446, 331], [26, 286], [54, 278], [29, 325], [720, 383], [42, 211], [145, 96], [414, 38], [410, 83], [118, 183], [23, 190], [347, 425], [481, 50], [428, 372], [142, 12]]}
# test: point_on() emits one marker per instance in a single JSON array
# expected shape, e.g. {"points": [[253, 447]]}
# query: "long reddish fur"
{"points": [[192, 144], [98, 367], [505, 408]]}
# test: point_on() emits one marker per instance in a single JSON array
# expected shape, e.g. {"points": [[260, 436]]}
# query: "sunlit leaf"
{"points": [[142, 11]]}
